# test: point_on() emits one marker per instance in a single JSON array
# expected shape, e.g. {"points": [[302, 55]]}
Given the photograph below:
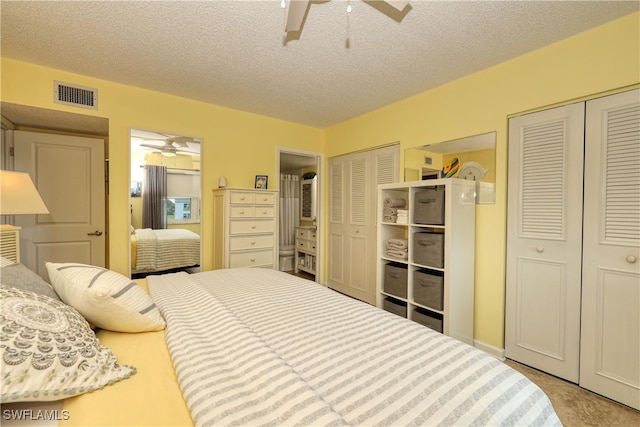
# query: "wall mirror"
{"points": [[472, 158], [165, 203]]}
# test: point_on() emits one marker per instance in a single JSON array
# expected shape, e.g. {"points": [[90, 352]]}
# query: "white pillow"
{"points": [[105, 298], [48, 351]]}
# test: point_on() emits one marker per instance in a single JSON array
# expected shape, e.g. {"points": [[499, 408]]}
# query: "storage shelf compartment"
{"points": [[440, 263]]}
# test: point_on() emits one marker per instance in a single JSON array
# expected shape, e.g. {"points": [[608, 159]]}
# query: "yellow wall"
{"points": [[603, 59], [236, 144]]}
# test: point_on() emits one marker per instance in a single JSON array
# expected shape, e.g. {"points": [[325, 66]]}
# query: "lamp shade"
{"points": [[18, 195]]}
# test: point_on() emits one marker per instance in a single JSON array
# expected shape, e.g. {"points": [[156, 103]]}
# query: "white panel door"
{"points": [[610, 356], [69, 174], [544, 240]]}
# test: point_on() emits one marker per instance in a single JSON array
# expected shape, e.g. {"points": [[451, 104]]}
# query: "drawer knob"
{"points": [[631, 259], [539, 249], [253, 260], [253, 227], [264, 199], [253, 242], [264, 212], [242, 212], [242, 198]]}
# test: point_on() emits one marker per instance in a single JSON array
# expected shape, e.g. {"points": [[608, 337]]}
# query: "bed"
{"points": [[162, 250], [261, 347]]}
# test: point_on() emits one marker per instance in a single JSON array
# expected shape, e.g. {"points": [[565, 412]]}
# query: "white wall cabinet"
{"points": [[573, 274], [432, 282], [245, 228]]}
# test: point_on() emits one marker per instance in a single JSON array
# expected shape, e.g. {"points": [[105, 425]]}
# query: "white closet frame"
{"points": [[573, 243]]}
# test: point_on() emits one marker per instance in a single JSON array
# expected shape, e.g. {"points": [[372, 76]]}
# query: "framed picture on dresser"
{"points": [[261, 182]]}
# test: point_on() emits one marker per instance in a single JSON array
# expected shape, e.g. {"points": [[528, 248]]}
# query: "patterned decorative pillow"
{"points": [[105, 298], [19, 276], [48, 350]]}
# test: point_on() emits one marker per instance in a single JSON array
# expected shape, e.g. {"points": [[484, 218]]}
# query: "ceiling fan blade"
{"points": [[297, 10], [154, 147], [182, 141], [399, 5]]}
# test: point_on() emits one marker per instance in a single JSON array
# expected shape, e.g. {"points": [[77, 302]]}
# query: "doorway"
{"points": [[82, 210], [299, 212]]}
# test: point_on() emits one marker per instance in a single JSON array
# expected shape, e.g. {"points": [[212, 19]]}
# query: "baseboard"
{"points": [[496, 352]]}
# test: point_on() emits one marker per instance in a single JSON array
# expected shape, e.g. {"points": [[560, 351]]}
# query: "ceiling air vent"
{"points": [[79, 96]]}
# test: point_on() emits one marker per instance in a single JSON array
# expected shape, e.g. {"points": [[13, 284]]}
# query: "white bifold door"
{"points": [[573, 243], [353, 188]]}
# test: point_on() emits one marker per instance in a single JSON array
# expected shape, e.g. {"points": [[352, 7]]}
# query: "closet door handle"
{"points": [[631, 259], [95, 233]]}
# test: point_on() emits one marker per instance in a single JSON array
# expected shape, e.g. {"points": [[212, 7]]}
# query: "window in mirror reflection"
{"points": [[182, 210]]}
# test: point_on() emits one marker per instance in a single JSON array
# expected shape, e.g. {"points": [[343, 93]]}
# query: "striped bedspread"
{"points": [[261, 347], [159, 250]]}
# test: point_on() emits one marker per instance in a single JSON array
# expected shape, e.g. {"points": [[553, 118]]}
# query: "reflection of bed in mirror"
{"points": [[163, 250]]}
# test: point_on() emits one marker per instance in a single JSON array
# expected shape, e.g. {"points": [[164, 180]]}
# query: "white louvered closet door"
{"points": [[352, 225], [544, 240], [610, 348]]}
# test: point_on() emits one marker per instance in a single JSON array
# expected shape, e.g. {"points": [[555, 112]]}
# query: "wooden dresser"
{"points": [[244, 226]]}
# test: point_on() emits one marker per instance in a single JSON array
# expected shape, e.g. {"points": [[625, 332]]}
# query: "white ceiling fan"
{"points": [[298, 10], [175, 145]]}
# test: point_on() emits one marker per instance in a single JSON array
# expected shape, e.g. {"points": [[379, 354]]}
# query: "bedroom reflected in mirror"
{"points": [[165, 203], [471, 158]]}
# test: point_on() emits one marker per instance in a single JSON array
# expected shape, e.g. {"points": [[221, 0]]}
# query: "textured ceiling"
{"points": [[234, 54]]}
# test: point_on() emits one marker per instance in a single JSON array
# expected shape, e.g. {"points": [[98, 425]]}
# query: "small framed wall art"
{"points": [[261, 182]]}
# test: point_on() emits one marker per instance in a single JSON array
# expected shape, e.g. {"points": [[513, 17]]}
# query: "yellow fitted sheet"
{"points": [[151, 397]]}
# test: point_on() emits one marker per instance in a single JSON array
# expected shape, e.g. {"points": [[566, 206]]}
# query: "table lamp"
{"points": [[18, 196]]}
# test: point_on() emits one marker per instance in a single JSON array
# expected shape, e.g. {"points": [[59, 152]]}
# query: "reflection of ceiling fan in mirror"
{"points": [[298, 10], [174, 145]]}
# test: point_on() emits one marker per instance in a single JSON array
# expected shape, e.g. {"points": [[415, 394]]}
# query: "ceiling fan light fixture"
{"points": [[168, 154]]}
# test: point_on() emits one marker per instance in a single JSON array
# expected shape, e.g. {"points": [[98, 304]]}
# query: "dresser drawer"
{"points": [[251, 226], [264, 212], [241, 198], [251, 242], [241, 212], [250, 259], [306, 245], [265, 198], [302, 233]]}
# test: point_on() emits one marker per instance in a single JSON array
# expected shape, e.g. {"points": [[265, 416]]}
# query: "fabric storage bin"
{"points": [[428, 249], [428, 319], [428, 207], [395, 279], [428, 288], [395, 306]]}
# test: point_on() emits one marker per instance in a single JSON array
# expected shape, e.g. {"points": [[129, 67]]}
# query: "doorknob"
{"points": [[95, 233]]}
